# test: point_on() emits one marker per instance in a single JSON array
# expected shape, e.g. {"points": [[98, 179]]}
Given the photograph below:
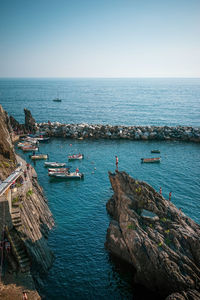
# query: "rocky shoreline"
{"points": [[155, 237], [98, 131], [25, 222]]}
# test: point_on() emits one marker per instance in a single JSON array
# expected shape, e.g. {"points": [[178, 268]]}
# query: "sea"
{"points": [[83, 268]]}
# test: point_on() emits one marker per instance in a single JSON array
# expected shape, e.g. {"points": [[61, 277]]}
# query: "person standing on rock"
{"points": [[160, 191], [117, 161], [25, 297], [170, 196]]}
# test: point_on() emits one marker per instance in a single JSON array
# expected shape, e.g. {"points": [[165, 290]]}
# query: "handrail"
{"points": [[9, 180]]}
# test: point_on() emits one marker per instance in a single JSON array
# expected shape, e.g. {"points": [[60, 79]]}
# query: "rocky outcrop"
{"points": [[7, 155], [29, 121], [155, 237], [16, 126]]}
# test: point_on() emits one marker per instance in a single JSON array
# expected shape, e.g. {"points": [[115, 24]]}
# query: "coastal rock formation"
{"points": [[160, 133], [7, 155], [29, 121], [155, 237], [25, 221]]}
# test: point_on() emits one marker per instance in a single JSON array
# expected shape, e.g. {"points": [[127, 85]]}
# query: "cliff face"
{"points": [[155, 237], [25, 223], [7, 155]]}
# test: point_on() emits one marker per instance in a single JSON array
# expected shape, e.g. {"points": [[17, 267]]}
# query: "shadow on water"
{"points": [[127, 273]]}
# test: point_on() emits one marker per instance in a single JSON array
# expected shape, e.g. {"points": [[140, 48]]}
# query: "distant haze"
{"points": [[99, 38]]}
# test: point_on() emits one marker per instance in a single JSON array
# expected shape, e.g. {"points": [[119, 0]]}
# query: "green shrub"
{"points": [[30, 192], [131, 226], [7, 165], [15, 200]]}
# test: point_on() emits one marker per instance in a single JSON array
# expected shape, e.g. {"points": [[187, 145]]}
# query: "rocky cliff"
{"points": [[25, 221], [155, 237], [7, 155]]}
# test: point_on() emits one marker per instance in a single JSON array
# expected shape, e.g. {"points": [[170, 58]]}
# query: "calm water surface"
{"points": [[108, 101], [83, 269]]}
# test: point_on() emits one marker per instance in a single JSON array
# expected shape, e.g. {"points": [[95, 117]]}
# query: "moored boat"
{"points": [[75, 156], [151, 160], [58, 170], [54, 164], [57, 100], [43, 139], [29, 148], [67, 175], [155, 151], [39, 156]]}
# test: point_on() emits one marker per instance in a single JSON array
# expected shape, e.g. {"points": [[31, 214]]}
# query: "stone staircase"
{"points": [[19, 251], [16, 216]]}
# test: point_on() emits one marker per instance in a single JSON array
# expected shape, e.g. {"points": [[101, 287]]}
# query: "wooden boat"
{"points": [[75, 156], [67, 175], [155, 151], [54, 164], [151, 160], [39, 156]]}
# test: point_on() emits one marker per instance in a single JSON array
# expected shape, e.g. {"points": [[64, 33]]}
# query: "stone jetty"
{"points": [[99, 131]]}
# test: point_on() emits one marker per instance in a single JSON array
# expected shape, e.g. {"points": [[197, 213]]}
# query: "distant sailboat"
{"points": [[57, 100]]}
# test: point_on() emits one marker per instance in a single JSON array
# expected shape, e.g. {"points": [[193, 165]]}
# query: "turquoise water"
{"points": [[83, 268]]}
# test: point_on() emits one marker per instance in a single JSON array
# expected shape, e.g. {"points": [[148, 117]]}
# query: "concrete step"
{"points": [[15, 211], [24, 260], [20, 251], [15, 217], [17, 225], [16, 221]]}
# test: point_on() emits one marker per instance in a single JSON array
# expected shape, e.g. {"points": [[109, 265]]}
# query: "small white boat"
{"points": [[58, 170], [54, 164], [43, 139], [75, 156], [39, 156], [67, 175], [29, 149]]}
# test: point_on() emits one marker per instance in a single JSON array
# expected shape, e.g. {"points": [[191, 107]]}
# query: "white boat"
{"points": [[29, 149], [54, 164], [42, 139], [75, 156], [70, 175], [58, 170]]}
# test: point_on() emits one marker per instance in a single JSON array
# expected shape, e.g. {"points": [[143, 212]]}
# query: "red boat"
{"points": [[151, 160]]}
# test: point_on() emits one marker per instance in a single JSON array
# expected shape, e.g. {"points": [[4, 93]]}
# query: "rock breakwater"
{"points": [[97, 131]]}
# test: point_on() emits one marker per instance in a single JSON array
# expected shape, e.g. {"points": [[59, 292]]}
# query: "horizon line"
{"points": [[101, 77]]}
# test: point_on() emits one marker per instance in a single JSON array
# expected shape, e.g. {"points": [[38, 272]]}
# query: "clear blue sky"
{"points": [[99, 38]]}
